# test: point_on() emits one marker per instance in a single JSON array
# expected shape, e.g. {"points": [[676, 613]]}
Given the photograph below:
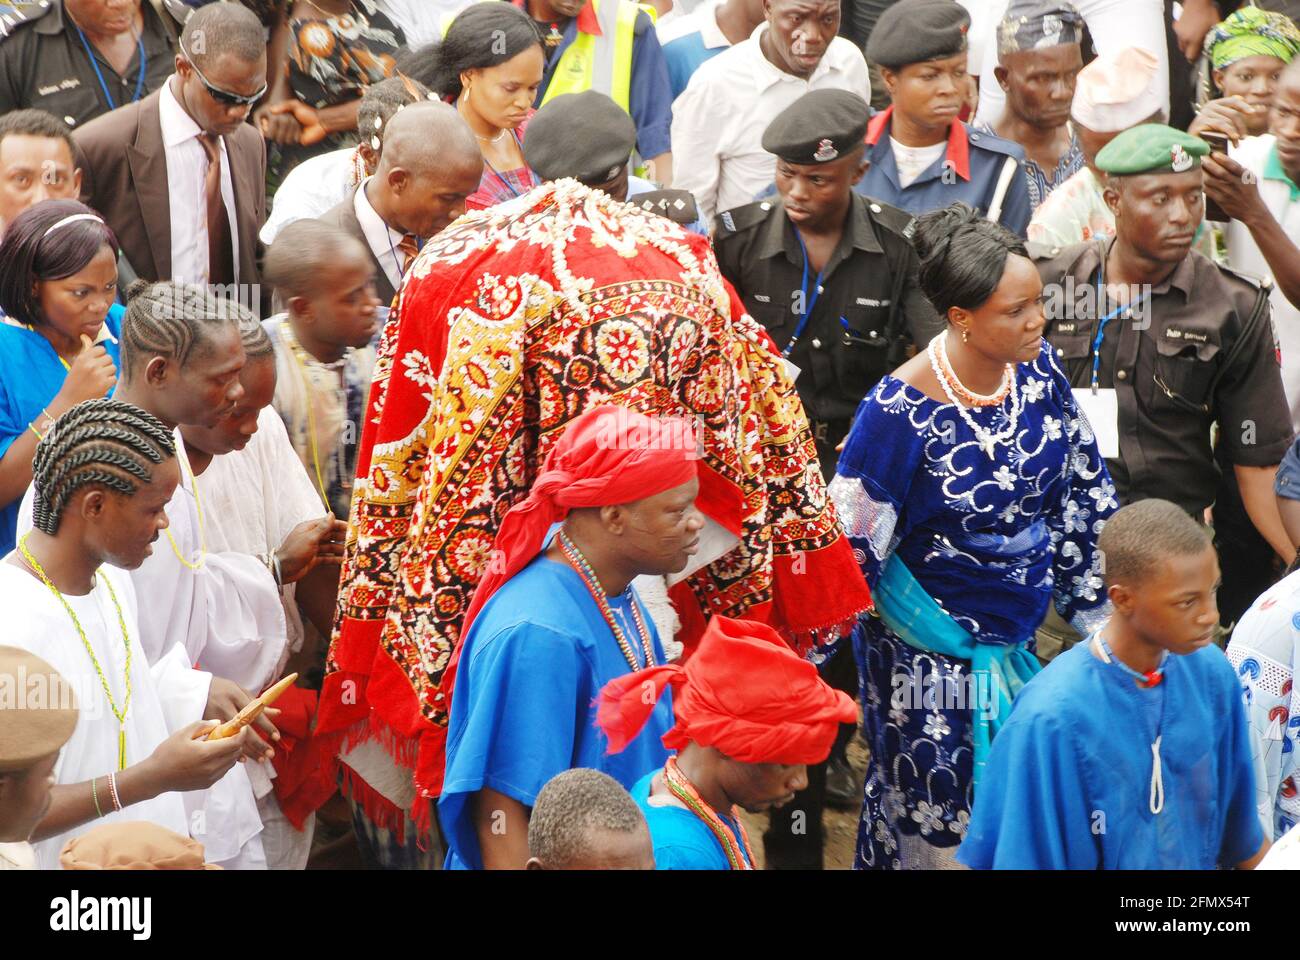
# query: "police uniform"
{"points": [[977, 168], [847, 332], [1202, 351], [45, 65]]}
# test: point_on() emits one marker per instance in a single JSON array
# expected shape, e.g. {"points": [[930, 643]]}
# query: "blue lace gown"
{"points": [[993, 540]]}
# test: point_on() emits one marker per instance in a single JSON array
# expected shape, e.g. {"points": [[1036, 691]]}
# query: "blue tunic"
{"points": [[1069, 780], [969, 171], [523, 706], [682, 841], [994, 541], [31, 375]]}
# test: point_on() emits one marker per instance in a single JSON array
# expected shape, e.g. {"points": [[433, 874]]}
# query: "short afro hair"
{"points": [[570, 808], [1139, 539]]}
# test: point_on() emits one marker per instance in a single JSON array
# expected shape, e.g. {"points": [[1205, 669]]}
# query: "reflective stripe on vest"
{"points": [[603, 63]]}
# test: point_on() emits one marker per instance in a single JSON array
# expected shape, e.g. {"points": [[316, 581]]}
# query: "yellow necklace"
{"points": [[126, 641], [56, 353], [198, 504], [296, 349]]}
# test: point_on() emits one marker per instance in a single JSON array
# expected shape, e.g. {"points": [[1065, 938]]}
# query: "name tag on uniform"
{"points": [[1102, 410], [791, 370]]}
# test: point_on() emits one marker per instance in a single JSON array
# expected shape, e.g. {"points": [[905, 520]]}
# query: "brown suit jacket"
{"points": [[344, 216], [124, 177]]}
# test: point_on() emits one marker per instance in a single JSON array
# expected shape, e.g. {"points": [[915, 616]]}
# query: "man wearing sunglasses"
{"points": [[179, 175], [1161, 343]]}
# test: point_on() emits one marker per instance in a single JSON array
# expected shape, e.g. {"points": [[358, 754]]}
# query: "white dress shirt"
{"points": [[187, 166], [423, 21], [382, 238], [313, 187], [719, 119]]}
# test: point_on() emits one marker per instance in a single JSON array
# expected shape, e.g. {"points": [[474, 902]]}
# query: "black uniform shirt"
{"points": [[43, 65], [1200, 350], [869, 311]]}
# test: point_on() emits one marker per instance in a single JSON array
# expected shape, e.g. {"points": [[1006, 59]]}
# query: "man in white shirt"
{"points": [[1113, 26], [179, 175], [1258, 189], [317, 184], [423, 21], [429, 165], [718, 122]]}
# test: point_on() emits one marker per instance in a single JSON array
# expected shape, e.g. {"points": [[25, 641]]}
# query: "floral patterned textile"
{"points": [[510, 324], [993, 540]]}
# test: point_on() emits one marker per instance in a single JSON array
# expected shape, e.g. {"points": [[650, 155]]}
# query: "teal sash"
{"points": [[999, 670]]}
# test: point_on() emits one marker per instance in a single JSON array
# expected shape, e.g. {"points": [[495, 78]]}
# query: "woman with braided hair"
{"points": [[181, 359], [58, 278], [105, 471]]}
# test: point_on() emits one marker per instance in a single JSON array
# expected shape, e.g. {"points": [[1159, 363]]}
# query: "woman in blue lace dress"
{"points": [[972, 490]]}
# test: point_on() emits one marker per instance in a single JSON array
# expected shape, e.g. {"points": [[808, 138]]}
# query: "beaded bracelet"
{"points": [[32, 428], [112, 789], [94, 795]]}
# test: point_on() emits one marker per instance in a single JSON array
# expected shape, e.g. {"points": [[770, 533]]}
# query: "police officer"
{"points": [[1160, 343], [829, 273], [588, 137], [77, 59], [921, 156]]}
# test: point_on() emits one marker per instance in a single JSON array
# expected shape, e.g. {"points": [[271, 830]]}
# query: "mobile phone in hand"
{"points": [[1218, 145]]}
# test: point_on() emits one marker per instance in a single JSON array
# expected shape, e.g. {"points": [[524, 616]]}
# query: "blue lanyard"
{"points": [[419, 245], [139, 79], [1101, 327], [803, 297]]}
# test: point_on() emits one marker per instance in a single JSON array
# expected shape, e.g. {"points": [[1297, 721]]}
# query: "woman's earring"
{"points": [[965, 335]]}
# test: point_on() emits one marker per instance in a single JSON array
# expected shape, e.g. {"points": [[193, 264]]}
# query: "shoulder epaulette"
{"points": [[1255, 281], [743, 218], [15, 16], [992, 142], [676, 205], [892, 218]]}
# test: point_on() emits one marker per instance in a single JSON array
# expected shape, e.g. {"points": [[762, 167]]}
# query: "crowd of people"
{"points": [[601, 414]]}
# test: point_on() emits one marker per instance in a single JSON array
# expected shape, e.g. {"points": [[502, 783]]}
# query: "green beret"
{"points": [[913, 31], [1151, 148], [585, 135], [818, 127]]}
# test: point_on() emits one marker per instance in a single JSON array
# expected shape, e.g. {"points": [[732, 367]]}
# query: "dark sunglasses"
{"points": [[224, 97]]}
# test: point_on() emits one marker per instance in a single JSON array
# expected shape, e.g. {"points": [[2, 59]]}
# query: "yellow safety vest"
{"points": [[602, 63]]}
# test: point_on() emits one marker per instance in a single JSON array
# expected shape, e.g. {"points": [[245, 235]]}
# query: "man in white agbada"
{"points": [[259, 501], [105, 473], [181, 358]]}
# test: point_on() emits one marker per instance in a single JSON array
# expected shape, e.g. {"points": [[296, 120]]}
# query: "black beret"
{"points": [[585, 135], [913, 31], [818, 127]]}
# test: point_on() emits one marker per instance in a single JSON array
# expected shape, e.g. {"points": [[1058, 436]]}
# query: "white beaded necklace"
{"points": [[987, 439]]}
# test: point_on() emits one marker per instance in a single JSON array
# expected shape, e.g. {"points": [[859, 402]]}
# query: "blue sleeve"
{"points": [[1087, 500], [520, 699], [1242, 832], [650, 98], [873, 477], [1287, 482], [1016, 207], [1031, 812]]}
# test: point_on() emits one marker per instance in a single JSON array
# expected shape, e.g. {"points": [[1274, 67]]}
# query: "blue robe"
{"points": [[31, 375], [682, 841], [523, 708], [994, 542], [1069, 780]]}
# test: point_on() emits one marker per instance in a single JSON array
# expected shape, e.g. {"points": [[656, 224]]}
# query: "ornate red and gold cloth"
{"points": [[514, 321]]}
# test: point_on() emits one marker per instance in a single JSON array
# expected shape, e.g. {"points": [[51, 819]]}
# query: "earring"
{"points": [[965, 335]]}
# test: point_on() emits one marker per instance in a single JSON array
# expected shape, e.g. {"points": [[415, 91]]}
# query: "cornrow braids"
{"points": [[104, 442], [254, 338], [170, 319]]}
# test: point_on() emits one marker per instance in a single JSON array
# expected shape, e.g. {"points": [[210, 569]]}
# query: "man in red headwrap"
{"points": [[751, 717], [557, 618]]}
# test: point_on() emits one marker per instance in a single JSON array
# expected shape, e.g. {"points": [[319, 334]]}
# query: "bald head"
{"points": [[427, 136], [430, 164]]}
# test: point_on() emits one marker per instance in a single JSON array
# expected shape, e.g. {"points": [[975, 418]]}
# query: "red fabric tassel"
{"points": [[625, 703]]}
